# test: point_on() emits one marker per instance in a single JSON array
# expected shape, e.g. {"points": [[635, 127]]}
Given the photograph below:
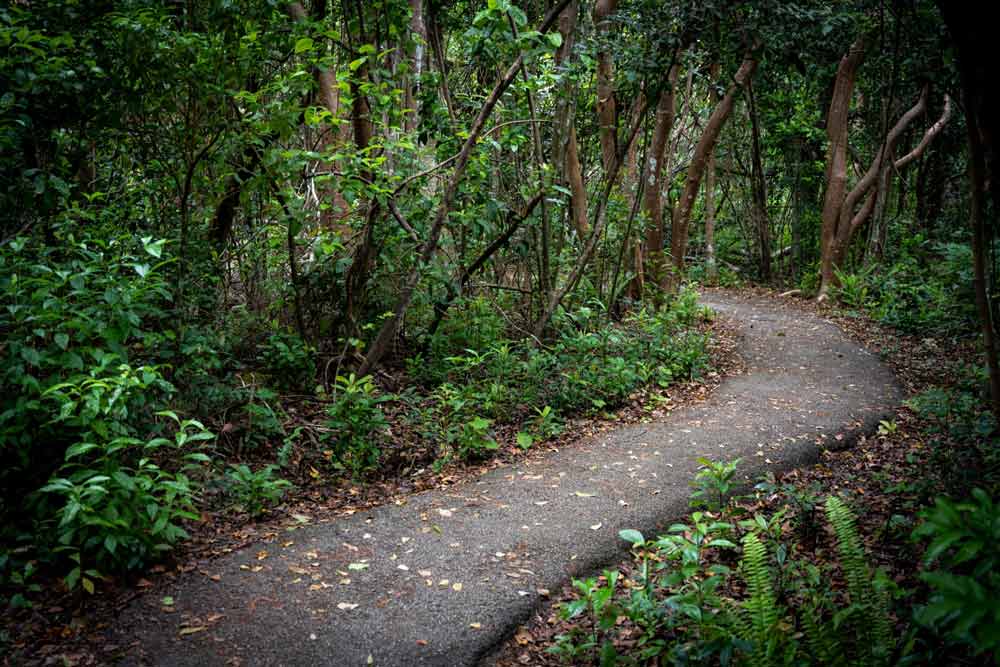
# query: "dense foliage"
{"points": [[250, 245]]}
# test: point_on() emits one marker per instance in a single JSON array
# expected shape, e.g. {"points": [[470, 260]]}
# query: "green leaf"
{"points": [[525, 440], [303, 45], [632, 536], [62, 340]]}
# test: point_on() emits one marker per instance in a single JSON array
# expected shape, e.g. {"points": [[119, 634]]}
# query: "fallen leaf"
{"points": [[192, 630], [596, 526], [346, 606], [584, 494], [475, 626], [457, 587], [357, 566]]}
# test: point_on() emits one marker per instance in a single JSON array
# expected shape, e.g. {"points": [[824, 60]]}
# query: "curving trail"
{"points": [[514, 530]]}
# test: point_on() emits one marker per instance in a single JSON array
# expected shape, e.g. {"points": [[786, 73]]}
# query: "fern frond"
{"points": [[761, 606], [820, 637], [872, 622]]}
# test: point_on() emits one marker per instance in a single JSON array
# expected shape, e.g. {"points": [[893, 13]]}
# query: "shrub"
{"points": [[74, 311], [964, 538], [116, 509], [255, 491], [288, 360], [355, 419]]}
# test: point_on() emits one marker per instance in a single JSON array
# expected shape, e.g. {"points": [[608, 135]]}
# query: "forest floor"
{"points": [[444, 576]]}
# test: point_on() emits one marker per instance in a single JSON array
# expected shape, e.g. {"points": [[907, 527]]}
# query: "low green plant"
{"points": [[688, 607], [964, 539], [356, 421], [475, 439], [596, 600], [115, 508], [713, 484], [546, 423], [852, 289], [256, 491], [288, 361]]}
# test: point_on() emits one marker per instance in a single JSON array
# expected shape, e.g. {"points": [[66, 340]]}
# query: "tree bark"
{"points": [[653, 192], [759, 187], [711, 266], [706, 144], [836, 160], [606, 113]]}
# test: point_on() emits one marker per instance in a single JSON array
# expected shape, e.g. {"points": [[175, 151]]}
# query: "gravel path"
{"points": [[447, 576]]}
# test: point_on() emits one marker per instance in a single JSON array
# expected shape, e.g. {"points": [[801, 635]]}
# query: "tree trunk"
{"points": [[836, 160], [976, 46], [418, 39], [759, 188], [847, 220], [711, 266], [565, 152], [653, 193], [706, 144], [606, 114]]}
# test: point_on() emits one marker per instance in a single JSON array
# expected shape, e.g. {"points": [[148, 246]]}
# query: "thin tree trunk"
{"points": [[565, 152], [418, 38], [759, 188], [606, 114], [711, 267], [653, 191], [706, 144], [977, 169], [600, 217]]}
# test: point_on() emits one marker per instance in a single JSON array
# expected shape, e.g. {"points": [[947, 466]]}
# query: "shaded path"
{"points": [[443, 579]]}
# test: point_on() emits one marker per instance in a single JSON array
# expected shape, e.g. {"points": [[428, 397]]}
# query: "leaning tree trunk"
{"points": [[706, 144], [838, 232]]}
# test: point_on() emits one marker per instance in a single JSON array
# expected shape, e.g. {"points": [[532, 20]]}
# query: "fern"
{"points": [[762, 612], [869, 597], [820, 636]]}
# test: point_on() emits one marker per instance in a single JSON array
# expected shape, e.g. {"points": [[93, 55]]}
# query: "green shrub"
{"points": [[355, 420], [288, 361], [255, 491], [74, 310], [964, 538], [115, 508]]}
